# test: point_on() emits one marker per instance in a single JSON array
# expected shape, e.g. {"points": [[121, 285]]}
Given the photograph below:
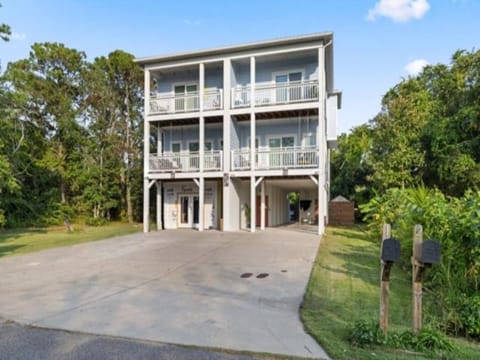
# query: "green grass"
{"points": [[22, 241], [344, 287]]}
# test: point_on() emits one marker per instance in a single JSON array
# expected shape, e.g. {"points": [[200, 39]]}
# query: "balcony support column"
{"points": [[146, 154], [159, 204], [201, 143], [159, 140], [253, 204], [263, 205], [201, 203], [321, 140], [201, 84], [252, 81], [146, 205]]}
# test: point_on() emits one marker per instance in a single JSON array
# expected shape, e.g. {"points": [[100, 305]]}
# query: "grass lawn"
{"points": [[22, 241], [344, 287]]}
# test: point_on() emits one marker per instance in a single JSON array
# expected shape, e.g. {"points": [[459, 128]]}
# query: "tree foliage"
{"points": [[70, 137], [427, 132]]}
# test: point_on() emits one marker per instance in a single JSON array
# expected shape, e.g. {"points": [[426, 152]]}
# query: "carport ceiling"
{"points": [[293, 184]]}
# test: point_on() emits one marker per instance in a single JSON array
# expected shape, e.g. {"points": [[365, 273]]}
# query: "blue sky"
{"points": [[375, 40]]}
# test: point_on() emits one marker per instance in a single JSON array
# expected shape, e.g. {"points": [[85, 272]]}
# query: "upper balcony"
{"points": [[177, 90], [279, 79], [275, 93]]}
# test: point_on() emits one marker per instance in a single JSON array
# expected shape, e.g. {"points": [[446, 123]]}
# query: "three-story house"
{"points": [[237, 131]]}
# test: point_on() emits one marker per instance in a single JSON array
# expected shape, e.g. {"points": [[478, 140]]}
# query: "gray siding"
{"points": [[264, 70], [299, 127], [187, 134], [213, 79]]}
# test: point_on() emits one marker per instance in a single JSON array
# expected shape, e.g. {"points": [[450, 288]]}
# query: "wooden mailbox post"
{"points": [[425, 253], [390, 253]]}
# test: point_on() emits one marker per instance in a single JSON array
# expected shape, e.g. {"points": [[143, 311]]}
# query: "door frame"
{"points": [[190, 210]]}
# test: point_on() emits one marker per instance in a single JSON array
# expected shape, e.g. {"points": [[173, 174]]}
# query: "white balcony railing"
{"points": [[186, 162], [171, 103], [276, 158], [276, 93]]}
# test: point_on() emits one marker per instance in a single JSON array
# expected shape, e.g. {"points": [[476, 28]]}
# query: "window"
{"points": [[186, 97], [289, 86], [283, 142], [176, 147], [221, 145], [194, 147]]}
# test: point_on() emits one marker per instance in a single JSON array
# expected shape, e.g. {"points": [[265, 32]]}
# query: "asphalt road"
{"points": [[19, 342]]}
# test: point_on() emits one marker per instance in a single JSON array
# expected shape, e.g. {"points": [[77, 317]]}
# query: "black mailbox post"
{"points": [[428, 252], [390, 250]]}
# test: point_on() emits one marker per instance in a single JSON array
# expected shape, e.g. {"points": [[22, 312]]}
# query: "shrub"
{"points": [[470, 316], [366, 333]]}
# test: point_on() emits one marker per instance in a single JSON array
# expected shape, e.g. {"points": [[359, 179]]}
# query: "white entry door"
{"points": [[189, 209]]}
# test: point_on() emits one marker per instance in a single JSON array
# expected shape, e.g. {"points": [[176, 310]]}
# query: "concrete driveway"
{"points": [[182, 287]]}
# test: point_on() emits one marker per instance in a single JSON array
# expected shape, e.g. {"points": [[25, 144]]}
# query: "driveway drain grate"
{"points": [[246, 275], [262, 276]]}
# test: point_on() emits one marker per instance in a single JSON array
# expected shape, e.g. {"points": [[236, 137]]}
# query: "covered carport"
{"points": [[280, 201]]}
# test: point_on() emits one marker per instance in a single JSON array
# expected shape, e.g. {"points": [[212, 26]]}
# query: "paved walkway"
{"points": [[180, 287]]}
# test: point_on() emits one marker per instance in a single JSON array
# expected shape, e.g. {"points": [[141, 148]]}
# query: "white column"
{"points": [[321, 224], [146, 126], [159, 204], [159, 140], [201, 83], [201, 142], [321, 139], [252, 81], [146, 154], [253, 204], [146, 205], [262, 205], [201, 203]]}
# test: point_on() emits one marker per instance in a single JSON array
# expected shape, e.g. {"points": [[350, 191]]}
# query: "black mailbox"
{"points": [[390, 250], [428, 252]]}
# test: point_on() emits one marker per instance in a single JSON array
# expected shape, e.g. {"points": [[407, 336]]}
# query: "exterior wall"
{"points": [[213, 79], [277, 205], [299, 127], [234, 192], [190, 133], [240, 73], [234, 134], [171, 205], [265, 70]]}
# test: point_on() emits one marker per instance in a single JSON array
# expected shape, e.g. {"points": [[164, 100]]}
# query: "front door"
{"points": [[189, 209]]}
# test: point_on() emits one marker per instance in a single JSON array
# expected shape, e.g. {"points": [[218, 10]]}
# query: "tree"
{"points": [[452, 136], [114, 106], [5, 31], [48, 91], [350, 165], [398, 158]]}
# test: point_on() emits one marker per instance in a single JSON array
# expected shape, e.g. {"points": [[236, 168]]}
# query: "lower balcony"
{"points": [[276, 159], [186, 162]]}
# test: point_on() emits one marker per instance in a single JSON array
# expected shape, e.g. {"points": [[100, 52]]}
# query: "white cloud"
{"points": [[399, 10], [191, 22], [18, 36], [416, 66]]}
